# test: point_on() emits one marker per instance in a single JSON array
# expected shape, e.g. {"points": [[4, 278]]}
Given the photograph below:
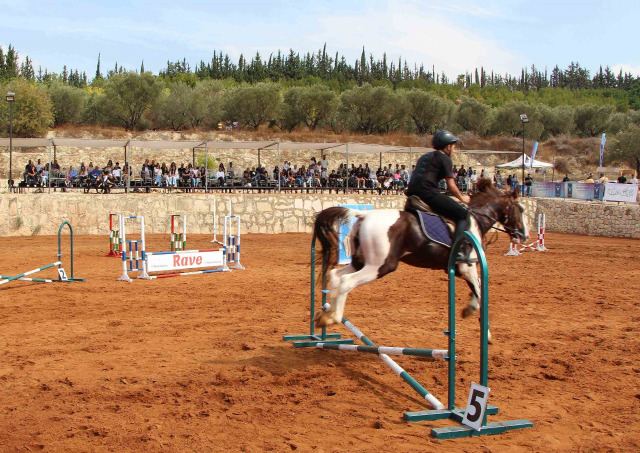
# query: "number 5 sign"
{"points": [[476, 406]]}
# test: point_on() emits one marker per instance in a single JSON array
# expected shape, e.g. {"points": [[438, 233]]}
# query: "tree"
{"points": [[174, 106], [428, 111], [373, 109], [591, 120], [32, 110], [626, 148], [556, 120], [206, 108], [68, 103], [128, 96], [253, 105], [308, 105], [507, 120], [474, 116]]}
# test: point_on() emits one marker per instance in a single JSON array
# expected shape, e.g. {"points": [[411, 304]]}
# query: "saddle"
{"points": [[435, 227]]}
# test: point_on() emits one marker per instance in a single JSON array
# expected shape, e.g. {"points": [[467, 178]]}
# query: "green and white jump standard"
{"points": [[334, 341], [69, 279]]}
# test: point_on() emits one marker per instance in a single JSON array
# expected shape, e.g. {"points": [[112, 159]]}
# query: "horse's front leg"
{"points": [[335, 313], [470, 274]]}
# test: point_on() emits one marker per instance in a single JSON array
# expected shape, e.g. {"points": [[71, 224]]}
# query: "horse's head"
{"points": [[506, 209]]}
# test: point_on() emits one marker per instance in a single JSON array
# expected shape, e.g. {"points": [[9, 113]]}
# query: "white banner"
{"points": [[188, 259], [621, 192]]}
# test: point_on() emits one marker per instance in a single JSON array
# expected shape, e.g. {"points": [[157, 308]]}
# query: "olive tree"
{"points": [[429, 112], [253, 105]]}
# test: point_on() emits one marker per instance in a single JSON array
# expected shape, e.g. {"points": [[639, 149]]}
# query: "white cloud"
{"points": [[633, 69], [431, 36]]}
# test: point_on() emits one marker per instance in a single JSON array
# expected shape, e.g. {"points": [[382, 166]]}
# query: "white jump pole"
{"points": [[215, 219]]}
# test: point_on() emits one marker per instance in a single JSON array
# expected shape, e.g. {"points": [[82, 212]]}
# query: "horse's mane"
{"points": [[486, 192]]}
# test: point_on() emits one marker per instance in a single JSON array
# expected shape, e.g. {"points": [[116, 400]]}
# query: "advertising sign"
{"points": [[189, 259], [621, 192]]}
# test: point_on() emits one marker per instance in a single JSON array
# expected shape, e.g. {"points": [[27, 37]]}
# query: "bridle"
{"points": [[513, 232]]}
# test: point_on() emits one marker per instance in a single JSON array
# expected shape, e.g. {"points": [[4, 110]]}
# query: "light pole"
{"points": [[10, 98], [524, 120]]}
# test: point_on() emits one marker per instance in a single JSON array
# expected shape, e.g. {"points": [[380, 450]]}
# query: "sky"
{"points": [[455, 36]]}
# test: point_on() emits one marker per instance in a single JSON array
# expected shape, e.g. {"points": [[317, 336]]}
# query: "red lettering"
{"points": [[199, 260], [176, 260]]}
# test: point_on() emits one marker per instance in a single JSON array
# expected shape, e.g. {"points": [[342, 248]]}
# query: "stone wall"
{"points": [[27, 214]]}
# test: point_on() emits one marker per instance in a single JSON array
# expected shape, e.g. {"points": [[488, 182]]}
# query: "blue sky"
{"points": [[452, 35]]}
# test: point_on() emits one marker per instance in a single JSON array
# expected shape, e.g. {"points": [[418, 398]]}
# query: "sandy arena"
{"points": [[198, 363]]}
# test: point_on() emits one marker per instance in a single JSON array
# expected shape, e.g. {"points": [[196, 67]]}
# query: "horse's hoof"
{"points": [[468, 311], [323, 319]]}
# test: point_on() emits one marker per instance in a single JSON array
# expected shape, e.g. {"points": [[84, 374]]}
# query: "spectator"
{"points": [[324, 163], [566, 178], [622, 179], [231, 172], [220, 175], [474, 179], [45, 175], [603, 179], [590, 179], [117, 173], [373, 178], [633, 180], [157, 175], [527, 185], [73, 176], [173, 175]]}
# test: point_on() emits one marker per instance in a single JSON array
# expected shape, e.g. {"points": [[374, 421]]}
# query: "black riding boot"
{"points": [[465, 248]]}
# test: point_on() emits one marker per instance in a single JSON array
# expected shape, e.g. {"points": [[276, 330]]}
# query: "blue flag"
{"points": [[533, 156], [604, 140]]}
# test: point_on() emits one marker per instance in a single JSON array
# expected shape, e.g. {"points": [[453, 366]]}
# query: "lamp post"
{"points": [[524, 120], [10, 98]]}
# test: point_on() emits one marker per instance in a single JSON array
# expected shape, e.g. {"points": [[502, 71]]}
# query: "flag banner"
{"points": [[604, 140], [344, 230], [533, 156]]}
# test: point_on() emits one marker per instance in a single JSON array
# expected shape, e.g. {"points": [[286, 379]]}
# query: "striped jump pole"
{"points": [[542, 226], [114, 236], [383, 353], [232, 241], [388, 350], [25, 274], [178, 240], [36, 280], [139, 248]]}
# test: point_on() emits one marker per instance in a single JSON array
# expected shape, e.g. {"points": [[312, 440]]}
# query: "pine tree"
{"points": [[98, 73]]}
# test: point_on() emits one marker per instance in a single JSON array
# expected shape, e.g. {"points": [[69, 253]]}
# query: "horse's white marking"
{"points": [[373, 233]]}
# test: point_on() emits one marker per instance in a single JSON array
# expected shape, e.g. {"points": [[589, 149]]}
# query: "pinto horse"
{"points": [[382, 238]]}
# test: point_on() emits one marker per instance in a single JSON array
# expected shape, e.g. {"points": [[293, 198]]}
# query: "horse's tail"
{"points": [[325, 230]]}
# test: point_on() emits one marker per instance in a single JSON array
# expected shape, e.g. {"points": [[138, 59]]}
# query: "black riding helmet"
{"points": [[443, 138]]}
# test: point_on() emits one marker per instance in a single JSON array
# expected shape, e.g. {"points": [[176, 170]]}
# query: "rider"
{"points": [[431, 168]]}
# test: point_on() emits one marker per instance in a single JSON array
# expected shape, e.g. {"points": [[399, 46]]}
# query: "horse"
{"points": [[382, 238]]}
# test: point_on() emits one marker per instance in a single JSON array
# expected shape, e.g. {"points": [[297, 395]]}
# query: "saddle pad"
{"points": [[435, 228]]}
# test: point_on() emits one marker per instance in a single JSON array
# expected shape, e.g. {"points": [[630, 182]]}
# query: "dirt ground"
{"points": [[198, 363]]}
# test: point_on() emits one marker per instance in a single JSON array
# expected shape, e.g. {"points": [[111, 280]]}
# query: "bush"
{"points": [[32, 109], [68, 103]]}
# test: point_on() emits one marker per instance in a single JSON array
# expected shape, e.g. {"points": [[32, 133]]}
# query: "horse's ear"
{"points": [[484, 185]]}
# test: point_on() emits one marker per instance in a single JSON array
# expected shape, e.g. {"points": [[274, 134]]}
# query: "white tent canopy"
{"points": [[527, 163]]}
